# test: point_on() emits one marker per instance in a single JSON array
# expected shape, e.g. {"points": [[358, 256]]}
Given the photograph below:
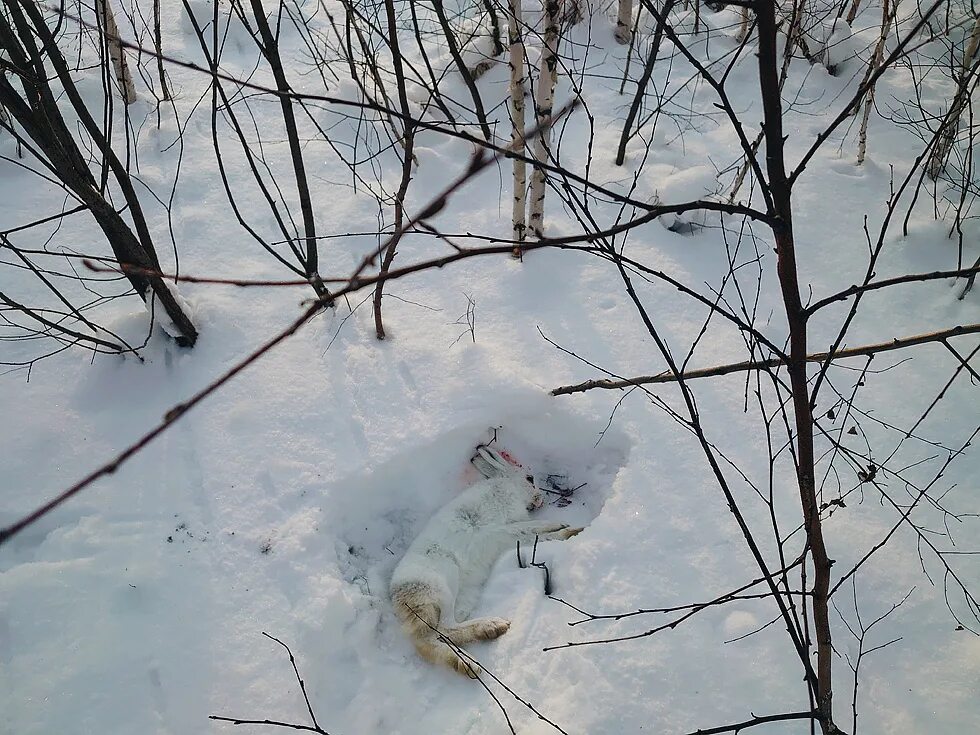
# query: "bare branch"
{"points": [[741, 367]]}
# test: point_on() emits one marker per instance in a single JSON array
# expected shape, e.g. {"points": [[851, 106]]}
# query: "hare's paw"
{"points": [[536, 501], [490, 628], [478, 629]]}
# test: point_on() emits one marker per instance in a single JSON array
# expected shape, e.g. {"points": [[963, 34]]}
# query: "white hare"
{"points": [[438, 582]]}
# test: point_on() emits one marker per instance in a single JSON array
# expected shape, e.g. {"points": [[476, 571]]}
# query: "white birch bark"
{"points": [[886, 19], [544, 99], [516, 42], [624, 21], [951, 124], [116, 52], [743, 28]]}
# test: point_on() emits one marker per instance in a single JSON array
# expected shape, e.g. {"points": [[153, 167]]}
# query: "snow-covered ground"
{"points": [[282, 503]]}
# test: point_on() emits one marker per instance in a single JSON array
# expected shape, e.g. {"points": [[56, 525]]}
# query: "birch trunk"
{"points": [[951, 123], [517, 119], [623, 21], [886, 19], [743, 28], [547, 78], [116, 52]]}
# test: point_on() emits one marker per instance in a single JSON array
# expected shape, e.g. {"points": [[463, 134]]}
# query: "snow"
{"points": [[282, 503]]}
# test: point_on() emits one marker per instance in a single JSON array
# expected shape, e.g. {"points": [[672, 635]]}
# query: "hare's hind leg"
{"points": [[546, 531], [477, 629], [562, 534], [416, 607]]}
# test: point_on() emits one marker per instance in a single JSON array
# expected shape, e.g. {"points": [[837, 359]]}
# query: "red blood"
{"points": [[509, 458]]}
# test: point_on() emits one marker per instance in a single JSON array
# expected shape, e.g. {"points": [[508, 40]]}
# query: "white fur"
{"points": [[437, 583]]}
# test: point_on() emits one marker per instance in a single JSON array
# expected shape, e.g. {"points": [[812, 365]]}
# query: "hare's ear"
{"points": [[493, 463], [489, 463]]}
